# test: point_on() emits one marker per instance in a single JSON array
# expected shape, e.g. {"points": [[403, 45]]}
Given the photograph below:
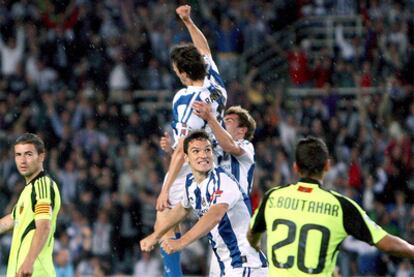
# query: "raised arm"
{"points": [[206, 223], [224, 139], [177, 161], [198, 38]]}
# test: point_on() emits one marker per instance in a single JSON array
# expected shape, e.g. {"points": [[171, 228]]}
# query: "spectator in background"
{"points": [[101, 236], [12, 52], [148, 266], [254, 30], [126, 232], [299, 71], [228, 42], [64, 267]]}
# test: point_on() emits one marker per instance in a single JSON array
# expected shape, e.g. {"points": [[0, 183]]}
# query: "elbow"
{"points": [[231, 148], [44, 227]]}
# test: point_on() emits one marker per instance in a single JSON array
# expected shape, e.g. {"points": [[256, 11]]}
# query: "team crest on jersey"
{"points": [[216, 194], [21, 208]]}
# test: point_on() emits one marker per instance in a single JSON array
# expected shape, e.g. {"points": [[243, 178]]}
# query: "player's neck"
{"points": [[196, 83], [200, 176], [313, 177], [28, 179]]}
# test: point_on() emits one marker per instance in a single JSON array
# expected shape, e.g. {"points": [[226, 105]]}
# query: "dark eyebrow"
{"points": [[20, 153]]}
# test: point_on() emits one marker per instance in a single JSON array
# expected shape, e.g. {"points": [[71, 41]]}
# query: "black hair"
{"points": [[188, 59], [311, 156], [195, 135]]}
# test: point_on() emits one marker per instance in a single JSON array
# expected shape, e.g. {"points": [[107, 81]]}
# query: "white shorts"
{"points": [[177, 189], [243, 271]]}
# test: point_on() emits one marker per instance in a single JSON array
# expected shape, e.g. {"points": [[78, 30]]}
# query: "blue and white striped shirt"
{"points": [[184, 121], [213, 92], [241, 167], [228, 238]]}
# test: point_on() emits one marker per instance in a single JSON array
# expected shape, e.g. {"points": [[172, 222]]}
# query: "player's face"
{"points": [[180, 75], [200, 156], [231, 123], [28, 161]]}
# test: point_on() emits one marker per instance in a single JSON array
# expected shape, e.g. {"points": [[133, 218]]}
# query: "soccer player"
{"points": [[305, 223], [33, 218], [234, 139], [195, 68], [219, 202]]}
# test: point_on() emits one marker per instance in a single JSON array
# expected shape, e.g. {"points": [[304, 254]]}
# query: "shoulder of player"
{"points": [[180, 93], [189, 179], [343, 199], [45, 181], [220, 173], [276, 189], [246, 144]]}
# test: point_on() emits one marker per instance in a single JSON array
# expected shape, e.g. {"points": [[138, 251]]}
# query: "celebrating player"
{"points": [[195, 68], [218, 200]]}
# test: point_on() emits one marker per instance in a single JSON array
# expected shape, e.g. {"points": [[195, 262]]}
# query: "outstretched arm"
{"points": [[201, 228], [395, 246], [224, 139], [174, 217], [198, 38]]}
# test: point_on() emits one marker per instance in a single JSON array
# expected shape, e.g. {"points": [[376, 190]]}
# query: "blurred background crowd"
{"points": [[93, 79]]}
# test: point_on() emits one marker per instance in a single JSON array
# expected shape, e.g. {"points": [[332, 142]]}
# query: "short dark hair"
{"points": [[30, 138], [311, 156], [188, 59], [195, 135], [245, 120]]}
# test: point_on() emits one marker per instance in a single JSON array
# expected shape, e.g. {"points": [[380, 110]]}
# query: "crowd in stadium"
{"points": [[69, 72]]}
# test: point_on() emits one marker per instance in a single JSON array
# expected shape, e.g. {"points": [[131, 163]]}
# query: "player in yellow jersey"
{"points": [[305, 223], [33, 218]]}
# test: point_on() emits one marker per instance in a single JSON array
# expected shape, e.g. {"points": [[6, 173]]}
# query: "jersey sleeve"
{"points": [[43, 204], [357, 223], [227, 192], [248, 149], [258, 222], [210, 64]]}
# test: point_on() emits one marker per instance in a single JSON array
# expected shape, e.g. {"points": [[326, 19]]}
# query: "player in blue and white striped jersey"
{"points": [[235, 139], [220, 203], [238, 158], [195, 68]]}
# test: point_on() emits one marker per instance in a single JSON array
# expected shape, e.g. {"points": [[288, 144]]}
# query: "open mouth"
{"points": [[204, 162]]}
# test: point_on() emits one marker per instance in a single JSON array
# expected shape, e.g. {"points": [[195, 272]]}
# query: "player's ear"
{"points": [[244, 130], [186, 158], [327, 165], [296, 168], [42, 157]]}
